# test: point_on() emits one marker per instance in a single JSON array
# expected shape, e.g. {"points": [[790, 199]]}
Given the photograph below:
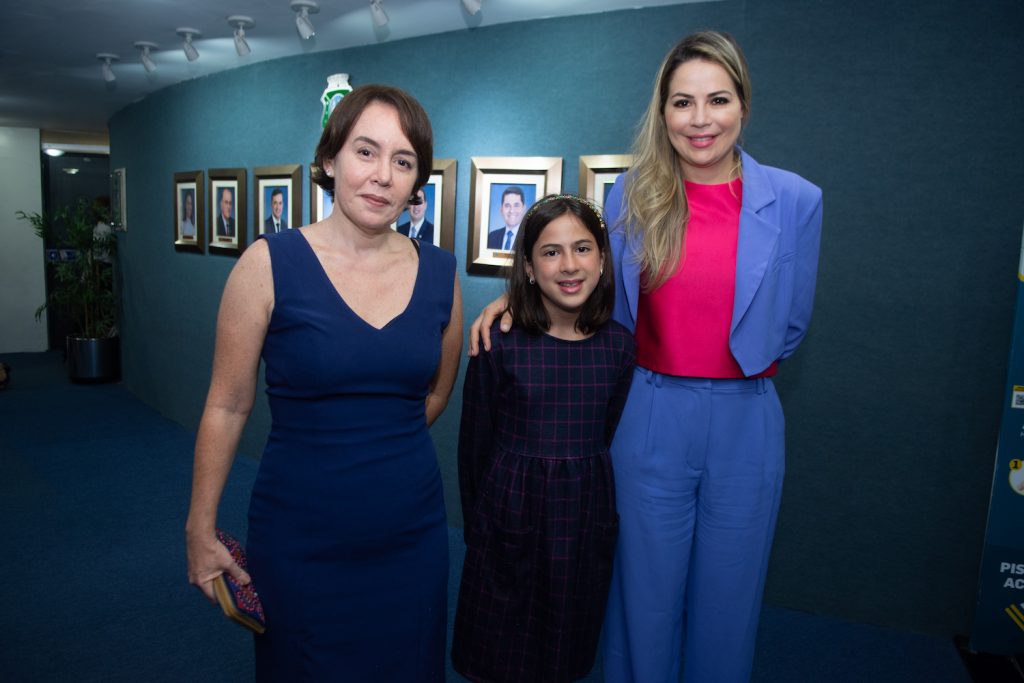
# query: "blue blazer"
{"points": [[776, 264]]}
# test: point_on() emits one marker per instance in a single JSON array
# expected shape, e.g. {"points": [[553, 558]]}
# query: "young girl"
{"points": [[538, 414]]}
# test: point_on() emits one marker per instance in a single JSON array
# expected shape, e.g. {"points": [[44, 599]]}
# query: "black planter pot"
{"points": [[94, 360]]}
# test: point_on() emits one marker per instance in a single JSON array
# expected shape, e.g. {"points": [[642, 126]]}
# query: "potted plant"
{"points": [[83, 286]]}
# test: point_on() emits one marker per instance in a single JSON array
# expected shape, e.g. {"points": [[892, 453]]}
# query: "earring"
{"points": [[330, 174], [532, 281], [602, 270]]}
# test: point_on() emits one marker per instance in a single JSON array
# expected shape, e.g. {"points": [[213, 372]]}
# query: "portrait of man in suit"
{"points": [[276, 221], [226, 215], [418, 227], [513, 206]]}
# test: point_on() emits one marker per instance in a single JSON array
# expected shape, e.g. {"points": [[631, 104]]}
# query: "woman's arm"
{"points": [[242, 324], [480, 331], [808, 245], [451, 351], [476, 429]]}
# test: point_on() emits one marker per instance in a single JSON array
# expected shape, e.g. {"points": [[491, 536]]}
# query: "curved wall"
{"points": [[893, 401]]}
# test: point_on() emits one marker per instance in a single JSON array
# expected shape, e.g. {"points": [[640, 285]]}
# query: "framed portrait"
{"points": [[227, 228], [118, 201], [320, 201], [189, 226], [502, 189], [277, 203], [598, 173], [434, 220]]}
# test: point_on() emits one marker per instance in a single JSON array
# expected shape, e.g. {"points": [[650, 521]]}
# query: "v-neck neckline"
{"points": [[330, 285]]}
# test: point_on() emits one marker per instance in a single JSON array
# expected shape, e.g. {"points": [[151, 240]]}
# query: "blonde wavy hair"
{"points": [[655, 202]]}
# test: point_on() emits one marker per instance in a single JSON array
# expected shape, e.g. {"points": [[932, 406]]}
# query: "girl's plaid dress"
{"points": [[538, 498]]}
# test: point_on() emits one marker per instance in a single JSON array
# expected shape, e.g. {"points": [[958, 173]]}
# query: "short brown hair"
{"points": [[414, 121]]}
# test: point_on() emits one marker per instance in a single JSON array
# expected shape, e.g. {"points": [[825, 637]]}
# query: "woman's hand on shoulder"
{"points": [[208, 559], [480, 330]]}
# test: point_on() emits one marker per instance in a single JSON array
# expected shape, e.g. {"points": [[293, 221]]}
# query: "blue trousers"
{"points": [[698, 474]]}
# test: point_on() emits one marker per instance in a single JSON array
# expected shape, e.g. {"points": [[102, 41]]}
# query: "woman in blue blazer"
{"points": [[716, 259]]}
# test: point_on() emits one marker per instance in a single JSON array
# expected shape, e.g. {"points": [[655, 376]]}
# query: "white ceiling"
{"points": [[50, 77]]}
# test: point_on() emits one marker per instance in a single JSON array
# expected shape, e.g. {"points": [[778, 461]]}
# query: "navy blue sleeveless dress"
{"points": [[347, 536]]}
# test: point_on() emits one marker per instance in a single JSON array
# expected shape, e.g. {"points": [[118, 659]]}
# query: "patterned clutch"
{"points": [[240, 603]]}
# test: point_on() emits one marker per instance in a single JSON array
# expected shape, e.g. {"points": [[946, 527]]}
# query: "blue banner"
{"points": [[999, 613]]}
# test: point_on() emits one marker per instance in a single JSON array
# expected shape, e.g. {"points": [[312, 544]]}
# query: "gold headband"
{"points": [[582, 200]]}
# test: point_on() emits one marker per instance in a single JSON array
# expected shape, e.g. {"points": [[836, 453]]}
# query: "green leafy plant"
{"points": [[84, 287]]}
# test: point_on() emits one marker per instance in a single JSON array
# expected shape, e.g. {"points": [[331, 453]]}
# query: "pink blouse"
{"points": [[683, 326]]}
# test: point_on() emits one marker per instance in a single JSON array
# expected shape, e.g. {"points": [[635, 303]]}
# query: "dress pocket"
{"points": [[510, 554]]}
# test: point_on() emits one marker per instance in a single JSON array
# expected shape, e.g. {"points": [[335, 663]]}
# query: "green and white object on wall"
{"points": [[337, 88]]}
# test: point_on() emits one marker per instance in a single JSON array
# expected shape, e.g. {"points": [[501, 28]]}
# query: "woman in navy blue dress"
{"points": [[360, 329]]}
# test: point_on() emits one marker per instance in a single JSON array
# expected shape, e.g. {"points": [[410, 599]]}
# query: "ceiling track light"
{"points": [[146, 48], [472, 6], [302, 22], [191, 53], [241, 22], [107, 58], [380, 17]]}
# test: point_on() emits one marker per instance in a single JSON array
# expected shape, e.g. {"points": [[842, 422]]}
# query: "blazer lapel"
{"points": [[631, 274], [757, 237]]}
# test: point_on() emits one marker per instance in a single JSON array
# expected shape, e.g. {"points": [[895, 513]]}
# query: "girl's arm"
{"points": [[241, 327], [476, 431], [451, 351]]}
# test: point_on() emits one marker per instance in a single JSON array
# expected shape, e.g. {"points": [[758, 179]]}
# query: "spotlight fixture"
{"points": [[107, 58], [52, 151], [241, 22], [191, 53], [472, 6], [380, 17], [146, 48], [302, 22]]}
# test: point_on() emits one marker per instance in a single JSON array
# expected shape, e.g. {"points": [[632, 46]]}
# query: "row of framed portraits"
{"points": [[277, 206], [502, 189], [224, 225]]}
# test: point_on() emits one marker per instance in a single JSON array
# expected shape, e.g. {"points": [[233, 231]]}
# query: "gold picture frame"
{"points": [[598, 173], [439, 194], [227, 236], [520, 180], [118, 200], [189, 228], [269, 181], [320, 202]]}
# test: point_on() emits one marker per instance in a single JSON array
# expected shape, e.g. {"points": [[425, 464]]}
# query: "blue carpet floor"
{"points": [[94, 489]]}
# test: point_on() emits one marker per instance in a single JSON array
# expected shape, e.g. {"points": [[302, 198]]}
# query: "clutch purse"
{"points": [[240, 603]]}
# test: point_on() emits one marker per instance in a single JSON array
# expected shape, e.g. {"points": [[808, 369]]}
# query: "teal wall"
{"points": [[906, 114]]}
